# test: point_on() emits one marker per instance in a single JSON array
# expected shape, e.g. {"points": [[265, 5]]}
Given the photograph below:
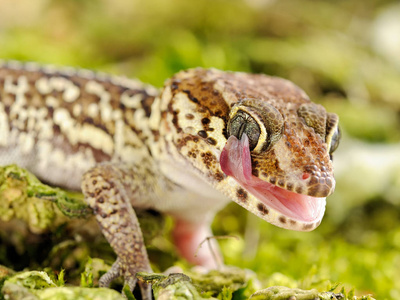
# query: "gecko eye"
{"points": [[334, 142], [262, 123], [332, 132], [241, 123]]}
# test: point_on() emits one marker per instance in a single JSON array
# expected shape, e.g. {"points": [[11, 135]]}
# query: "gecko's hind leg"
{"points": [[108, 190], [189, 239]]}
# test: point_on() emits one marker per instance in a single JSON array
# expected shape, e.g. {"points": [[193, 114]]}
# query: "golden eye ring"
{"points": [[262, 123], [333, 133]]}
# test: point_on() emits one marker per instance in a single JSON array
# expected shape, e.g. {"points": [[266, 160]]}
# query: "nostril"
{"points": [[305, 176]]}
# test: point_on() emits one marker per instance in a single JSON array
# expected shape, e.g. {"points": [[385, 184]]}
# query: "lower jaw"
{"points": [[295, 206]]}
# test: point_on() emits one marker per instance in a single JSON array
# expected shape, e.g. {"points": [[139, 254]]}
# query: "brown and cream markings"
{"points": [[207, 138]]}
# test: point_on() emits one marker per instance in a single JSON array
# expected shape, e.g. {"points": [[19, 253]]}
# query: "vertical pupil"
{"points": [[244, 123], [241, 130]]}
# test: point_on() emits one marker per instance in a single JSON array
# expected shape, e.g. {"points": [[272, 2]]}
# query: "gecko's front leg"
{"points": [[109, 190]]}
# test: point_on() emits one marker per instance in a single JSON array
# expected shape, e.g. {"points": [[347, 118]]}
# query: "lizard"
{"points": [[206, 138]]}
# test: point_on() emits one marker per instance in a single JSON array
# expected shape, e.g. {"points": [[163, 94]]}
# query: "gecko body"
{"points": [[207, 138]]}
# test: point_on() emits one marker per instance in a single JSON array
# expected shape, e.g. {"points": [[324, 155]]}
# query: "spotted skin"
{"points": [[128, 145]]}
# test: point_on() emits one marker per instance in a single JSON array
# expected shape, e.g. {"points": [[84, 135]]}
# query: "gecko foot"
{"points": [[116, 271]]}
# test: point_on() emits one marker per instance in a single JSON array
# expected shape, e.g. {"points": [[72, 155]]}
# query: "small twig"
{"points": [[214, 255]]}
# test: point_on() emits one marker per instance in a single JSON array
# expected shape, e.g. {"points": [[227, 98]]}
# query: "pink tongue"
{"points": [[235, 161], [235, 158]]}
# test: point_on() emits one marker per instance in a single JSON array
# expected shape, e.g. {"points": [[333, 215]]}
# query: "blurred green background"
{"points": [[345, 54]]}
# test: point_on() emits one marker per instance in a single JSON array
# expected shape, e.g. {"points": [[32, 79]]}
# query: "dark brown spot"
{"points": [[299, 189], [191, 97], [308, 226], [100, 200], [211, 141], [255, 172], [282, 219], [241, 194], [174, 116], [289, 186], [189, 116], [293, 222], [205, 121], [94, 182], [146, 103], [103, 215], [219, 176], [202, 134], [272, 180], [262, 209]]}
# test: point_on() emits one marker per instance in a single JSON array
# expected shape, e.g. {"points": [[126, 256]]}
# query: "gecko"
{"points": [[206, 138]]}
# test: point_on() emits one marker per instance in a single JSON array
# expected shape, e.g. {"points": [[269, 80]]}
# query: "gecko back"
{"points": [[58, 123]]}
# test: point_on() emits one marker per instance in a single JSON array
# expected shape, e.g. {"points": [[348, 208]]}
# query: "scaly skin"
{"points": [[129, 146]]}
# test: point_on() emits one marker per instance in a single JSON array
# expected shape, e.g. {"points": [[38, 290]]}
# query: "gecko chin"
{"points": [[235, 161]]}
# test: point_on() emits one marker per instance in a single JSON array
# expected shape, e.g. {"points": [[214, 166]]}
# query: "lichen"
{"points": [[40, 206]]}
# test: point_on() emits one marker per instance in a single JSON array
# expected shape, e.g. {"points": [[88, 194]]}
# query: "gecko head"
{"points": [[281, 155], [259, 140]]}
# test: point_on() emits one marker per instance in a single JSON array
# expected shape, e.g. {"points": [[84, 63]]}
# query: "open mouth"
{"points": [[235, 161]]}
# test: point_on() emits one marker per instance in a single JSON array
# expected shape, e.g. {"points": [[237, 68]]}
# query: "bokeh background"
{"points": [[345, 54]]}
